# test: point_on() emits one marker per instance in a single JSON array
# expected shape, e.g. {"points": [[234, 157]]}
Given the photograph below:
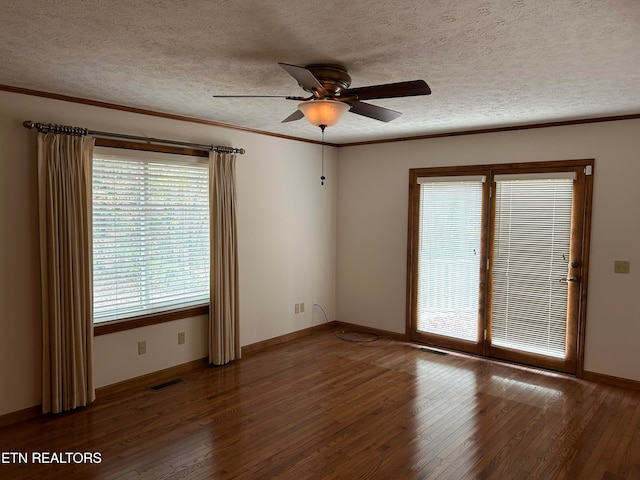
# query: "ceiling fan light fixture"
{"points": [[323, 112]]}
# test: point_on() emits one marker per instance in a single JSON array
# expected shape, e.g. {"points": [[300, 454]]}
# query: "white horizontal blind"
{"points": [[449, 256], [530, 263], [150, 234]]}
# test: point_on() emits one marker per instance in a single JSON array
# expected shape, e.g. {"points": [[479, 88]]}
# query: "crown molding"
{"points": [[124, 108], [142, 111]]}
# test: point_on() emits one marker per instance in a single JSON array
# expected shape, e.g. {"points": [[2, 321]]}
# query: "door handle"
{"points": [[570, 279]]}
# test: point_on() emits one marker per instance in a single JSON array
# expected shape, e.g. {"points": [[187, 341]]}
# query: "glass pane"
{"points": [[150, 236], [530, 264], [449, 258]]}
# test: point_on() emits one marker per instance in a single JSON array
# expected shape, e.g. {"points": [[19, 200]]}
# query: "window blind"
{"points": [[150, 233], [449, 256], [530, 263]]}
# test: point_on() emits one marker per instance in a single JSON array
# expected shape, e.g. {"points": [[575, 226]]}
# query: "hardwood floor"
{"points": [[321, 408]]}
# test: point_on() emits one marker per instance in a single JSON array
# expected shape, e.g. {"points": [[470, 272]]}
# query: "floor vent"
{"points": [[436, 352], [160, 386]]}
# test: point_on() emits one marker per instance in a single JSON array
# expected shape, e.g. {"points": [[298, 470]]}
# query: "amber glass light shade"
{"points": [[323, 112]]}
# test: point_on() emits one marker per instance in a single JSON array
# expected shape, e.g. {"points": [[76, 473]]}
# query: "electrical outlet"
{"points": [[302, 307], [621, 266], [181, 338], [142, 348], [297, 308]]}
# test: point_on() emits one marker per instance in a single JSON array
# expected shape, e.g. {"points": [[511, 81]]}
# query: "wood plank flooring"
{"points": [[321, 408]]}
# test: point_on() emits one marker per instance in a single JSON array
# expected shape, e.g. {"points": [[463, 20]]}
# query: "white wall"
{"points": [[293, 250], [115, 356], [286, 229], [372, 226]]}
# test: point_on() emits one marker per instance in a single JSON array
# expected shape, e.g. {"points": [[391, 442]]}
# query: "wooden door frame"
{"points": [[489, 171], [412, 260]]}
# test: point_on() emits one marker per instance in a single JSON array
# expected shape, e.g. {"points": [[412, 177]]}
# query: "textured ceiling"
{"points": [[489, 63]]}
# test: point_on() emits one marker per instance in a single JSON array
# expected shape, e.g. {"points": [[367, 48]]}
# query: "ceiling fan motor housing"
{"points": [[333, 77]]}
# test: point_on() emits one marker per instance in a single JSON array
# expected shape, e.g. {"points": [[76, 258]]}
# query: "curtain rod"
{"points": [[52, 128]]}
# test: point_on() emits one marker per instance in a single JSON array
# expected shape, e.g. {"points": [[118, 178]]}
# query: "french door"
{"points": [[497, 260]]}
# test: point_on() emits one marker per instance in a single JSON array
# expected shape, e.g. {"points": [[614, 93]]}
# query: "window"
{"points": [[530, 256], [150, 233], [449, 255]]}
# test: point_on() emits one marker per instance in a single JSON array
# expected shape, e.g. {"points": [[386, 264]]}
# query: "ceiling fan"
{"points": [[330, 95]]}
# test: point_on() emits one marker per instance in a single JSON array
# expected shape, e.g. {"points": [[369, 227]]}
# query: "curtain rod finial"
{"points": [[28, 124]]}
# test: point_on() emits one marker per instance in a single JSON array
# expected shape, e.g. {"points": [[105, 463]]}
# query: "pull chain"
{"points": [[322, 177]]}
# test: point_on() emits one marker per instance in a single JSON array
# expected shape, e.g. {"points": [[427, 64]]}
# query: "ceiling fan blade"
{"points": [[247, 96], [389, 90], [304, 77], [287, 97], [373, 111], [297, 115]]}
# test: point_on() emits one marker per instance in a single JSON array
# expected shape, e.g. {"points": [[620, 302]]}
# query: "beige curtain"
{"points": [[224, 328], [64, 178]]}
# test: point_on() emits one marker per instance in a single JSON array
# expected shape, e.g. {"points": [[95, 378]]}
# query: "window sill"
{"points": [[146, 320]]}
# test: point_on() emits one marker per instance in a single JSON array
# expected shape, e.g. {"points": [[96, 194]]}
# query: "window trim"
{"points": [[104, 328]]}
